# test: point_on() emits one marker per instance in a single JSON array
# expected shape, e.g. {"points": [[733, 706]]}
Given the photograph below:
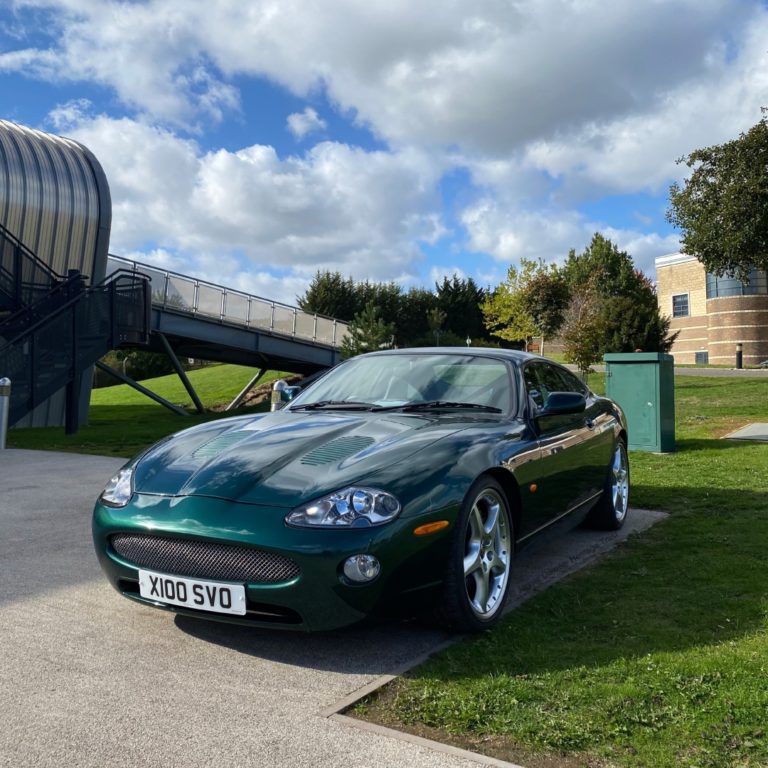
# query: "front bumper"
{"points": [[319, 597]]}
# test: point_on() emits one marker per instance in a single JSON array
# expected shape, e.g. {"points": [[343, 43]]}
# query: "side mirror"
{"points": [[563, 404]]}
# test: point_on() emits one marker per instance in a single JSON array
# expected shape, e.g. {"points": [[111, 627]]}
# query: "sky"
{"points": [[253, 143]]}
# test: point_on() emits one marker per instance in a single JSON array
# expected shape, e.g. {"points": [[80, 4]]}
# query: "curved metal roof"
{"points": [[54, 197]]}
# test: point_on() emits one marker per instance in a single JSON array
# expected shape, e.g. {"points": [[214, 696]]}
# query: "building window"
{"points": [[702, 358], [727, 285], [680, 305]]}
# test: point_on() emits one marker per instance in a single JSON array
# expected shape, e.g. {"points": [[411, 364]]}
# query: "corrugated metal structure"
{"points": [[55, 199]]}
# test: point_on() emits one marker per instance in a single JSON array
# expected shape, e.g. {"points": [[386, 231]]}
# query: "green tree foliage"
{"points": [[546, 298], [460, 299], [412, 328], [722, 209], [613, 306], [583, 330], [530, 302], [367, 333], [332, 295], [603, 266], [436, 320], [136, 363]]}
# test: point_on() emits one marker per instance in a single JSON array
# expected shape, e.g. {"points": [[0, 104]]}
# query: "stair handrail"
{"points": [[136, 277], [61, 287], [8, 235]]}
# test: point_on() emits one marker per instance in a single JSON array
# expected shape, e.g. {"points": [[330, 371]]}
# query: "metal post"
{"points": [[739, 355], [5, 402], [181, 374], [245, 390]]}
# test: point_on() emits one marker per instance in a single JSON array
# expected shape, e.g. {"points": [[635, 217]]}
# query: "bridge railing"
{"points": [[181, 293]]}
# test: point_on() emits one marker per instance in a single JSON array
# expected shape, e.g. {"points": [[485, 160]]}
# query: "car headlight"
{"points": [[119, 489], [351, 507]]}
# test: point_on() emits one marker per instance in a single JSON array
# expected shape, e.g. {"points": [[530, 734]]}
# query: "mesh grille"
{"points": [[202, 559]]}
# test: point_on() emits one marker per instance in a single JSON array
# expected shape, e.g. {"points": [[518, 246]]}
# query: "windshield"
{"points": [[398, 380]]}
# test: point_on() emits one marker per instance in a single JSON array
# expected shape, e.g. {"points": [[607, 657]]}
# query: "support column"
{"points": [[181, 373]]}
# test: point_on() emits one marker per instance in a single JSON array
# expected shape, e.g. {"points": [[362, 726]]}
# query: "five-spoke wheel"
{"points": [[478, 575], [611, 510]]}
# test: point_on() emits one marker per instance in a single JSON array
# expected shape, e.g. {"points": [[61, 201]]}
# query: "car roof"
{"points": [[514, 355]]}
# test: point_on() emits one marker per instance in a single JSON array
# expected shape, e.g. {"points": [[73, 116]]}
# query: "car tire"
{"points": [[478, 572], [610, 512]]}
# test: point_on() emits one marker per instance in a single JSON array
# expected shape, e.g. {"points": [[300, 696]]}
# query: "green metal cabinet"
{"points": [[643, 384]]}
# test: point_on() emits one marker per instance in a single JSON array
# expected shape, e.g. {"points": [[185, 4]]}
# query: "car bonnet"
{"points": [[285, 459]]}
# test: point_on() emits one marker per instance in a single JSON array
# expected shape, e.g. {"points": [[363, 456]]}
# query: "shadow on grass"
{"points": [[698, 578], [702, 444]]}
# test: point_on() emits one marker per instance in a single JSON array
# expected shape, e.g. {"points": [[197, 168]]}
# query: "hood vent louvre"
{"points": [[336, 450], [218, 444]]}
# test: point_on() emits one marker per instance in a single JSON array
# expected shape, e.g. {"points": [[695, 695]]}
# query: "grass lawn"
{"points": [[655, 656], [122, 421]]}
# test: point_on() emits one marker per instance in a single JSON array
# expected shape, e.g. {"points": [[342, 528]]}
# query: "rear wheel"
{"points": [[610, 512], [478, 575]]}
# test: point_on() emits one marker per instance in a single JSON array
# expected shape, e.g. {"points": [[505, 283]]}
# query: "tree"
{"points": [[436, 321], [583, 331], [332, 295], [509, 311], [546, 298], [367, 333], [413, 318], [603, 266], [461, 300], [623, 300], [722, 209]]}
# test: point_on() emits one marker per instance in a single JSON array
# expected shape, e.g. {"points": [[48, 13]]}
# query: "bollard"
{"points": [[282, 393], [278, 400], [739, 355], [5, 403]]}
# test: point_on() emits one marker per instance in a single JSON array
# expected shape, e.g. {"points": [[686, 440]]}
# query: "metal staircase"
{"points": [[53, 328]]}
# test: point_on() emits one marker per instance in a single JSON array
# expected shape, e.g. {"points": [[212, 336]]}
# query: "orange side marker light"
{"points": [[427, 528], [533, 487]]}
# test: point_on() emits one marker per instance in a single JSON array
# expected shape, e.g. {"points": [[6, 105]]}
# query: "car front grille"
{"points": [[204, 559]]}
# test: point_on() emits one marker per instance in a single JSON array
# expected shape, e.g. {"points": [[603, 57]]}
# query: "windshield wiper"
{"points": [[437, 405], [352, 405]]}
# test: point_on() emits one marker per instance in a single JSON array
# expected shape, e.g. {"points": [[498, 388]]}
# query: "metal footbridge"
{"points": [[54, 328], [203, 320]]}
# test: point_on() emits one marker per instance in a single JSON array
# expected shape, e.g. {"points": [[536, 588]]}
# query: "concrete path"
{"points": [[755, 432], [90, 679]]}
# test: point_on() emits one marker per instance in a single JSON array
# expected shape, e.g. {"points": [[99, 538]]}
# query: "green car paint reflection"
{"points": [[399, 482]]}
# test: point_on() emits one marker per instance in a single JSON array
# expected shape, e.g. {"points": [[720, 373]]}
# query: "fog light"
{"points": [[362, 568]]}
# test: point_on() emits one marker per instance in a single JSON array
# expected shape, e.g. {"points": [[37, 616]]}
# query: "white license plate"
{"points": [[192, 593]]}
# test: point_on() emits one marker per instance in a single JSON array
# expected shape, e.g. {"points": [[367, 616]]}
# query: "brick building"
{"points": [[713, 314]]}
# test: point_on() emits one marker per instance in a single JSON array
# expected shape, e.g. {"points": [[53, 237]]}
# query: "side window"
{"points": [[532, 386], [552, 380], [572, 383], [542, 378]]}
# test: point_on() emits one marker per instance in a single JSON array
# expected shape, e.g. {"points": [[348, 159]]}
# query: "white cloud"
{"points": [[511, 234], [438, 273], [300, 124], [547, 103], [487, 76], [335, 207]]}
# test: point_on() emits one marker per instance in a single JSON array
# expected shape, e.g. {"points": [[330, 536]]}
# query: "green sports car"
{"points": [[399, 481]]}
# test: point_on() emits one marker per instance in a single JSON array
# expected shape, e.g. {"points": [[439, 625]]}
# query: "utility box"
{"points": [[643, 384]]}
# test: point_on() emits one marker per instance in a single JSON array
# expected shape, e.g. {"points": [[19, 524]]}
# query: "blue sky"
{"points": [[255, 143]]}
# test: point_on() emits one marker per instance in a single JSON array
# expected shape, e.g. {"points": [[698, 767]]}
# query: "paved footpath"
{"points": [[88, 678]]}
